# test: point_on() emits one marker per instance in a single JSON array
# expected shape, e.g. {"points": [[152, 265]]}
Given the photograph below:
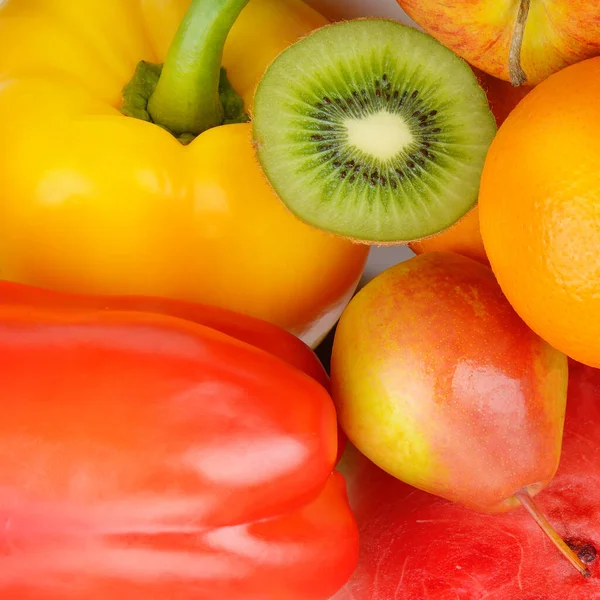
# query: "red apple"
{"points": [[416, 546], [523, 41]]}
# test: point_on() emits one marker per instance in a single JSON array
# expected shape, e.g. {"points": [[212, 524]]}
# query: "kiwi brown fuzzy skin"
{"points": [[428, 94]]}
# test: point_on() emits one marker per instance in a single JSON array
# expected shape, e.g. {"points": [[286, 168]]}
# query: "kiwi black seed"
{"points": [[372, 130]]}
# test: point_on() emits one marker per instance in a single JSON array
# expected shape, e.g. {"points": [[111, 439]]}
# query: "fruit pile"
{"points": [[189, 199]]}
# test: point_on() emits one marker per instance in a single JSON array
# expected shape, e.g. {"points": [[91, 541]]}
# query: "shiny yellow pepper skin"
{"points": [[92, 201]]}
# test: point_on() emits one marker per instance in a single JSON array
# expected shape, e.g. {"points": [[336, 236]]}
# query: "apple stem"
{"points": [[527, 501], [517, 75]]}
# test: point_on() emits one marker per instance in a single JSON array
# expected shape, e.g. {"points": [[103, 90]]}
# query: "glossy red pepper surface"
{"points": [[147, 456]]}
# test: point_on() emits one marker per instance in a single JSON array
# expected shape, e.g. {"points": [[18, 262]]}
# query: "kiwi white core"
{"points": [[382, 135]]}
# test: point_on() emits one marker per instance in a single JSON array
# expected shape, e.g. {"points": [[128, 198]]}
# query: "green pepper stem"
{"points": [[186, 98]]}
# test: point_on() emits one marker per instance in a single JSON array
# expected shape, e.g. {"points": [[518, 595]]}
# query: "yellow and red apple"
{"points": [[523, 41]]}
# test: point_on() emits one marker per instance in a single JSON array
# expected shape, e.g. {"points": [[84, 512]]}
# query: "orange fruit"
{"points": [[464, 236], [539, 208]]}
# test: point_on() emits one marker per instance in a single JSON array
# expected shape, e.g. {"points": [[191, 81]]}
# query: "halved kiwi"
{"points": [[372, 130]]}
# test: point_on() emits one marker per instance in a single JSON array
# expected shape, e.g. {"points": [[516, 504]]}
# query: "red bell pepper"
{"points": [[254, 331], [257, 332], [145, 456]]}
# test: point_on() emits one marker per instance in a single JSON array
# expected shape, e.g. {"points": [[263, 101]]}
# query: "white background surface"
{"points": [[348, 9], [380, 258]]}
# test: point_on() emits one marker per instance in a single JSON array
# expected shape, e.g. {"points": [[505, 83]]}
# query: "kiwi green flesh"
{"points": [[372, 130]]}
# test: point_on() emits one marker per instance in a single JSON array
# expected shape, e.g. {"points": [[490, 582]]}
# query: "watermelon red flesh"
{"points": [[418, 547]]}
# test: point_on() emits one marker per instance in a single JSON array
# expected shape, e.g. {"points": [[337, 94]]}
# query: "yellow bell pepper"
{"points": [[93, 201]]}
